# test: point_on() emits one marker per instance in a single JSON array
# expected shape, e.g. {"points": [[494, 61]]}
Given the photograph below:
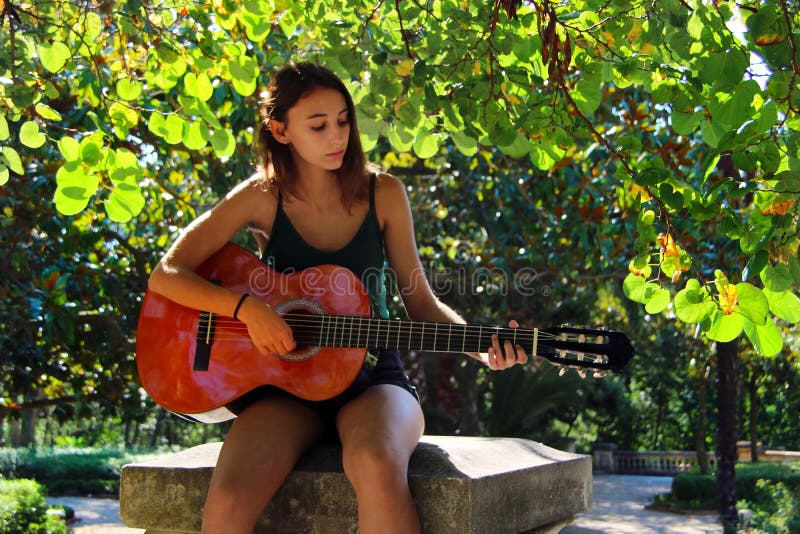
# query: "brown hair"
{"points": [[288, 85]]}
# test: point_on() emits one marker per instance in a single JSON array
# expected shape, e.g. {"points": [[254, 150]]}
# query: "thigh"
{"points": [[267, 438], [384, 416]]}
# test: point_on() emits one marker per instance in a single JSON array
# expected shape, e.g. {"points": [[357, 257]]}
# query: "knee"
{"points": [[375, 463]]}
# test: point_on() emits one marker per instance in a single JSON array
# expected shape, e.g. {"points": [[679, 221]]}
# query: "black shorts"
{"points": [[387, 370]]}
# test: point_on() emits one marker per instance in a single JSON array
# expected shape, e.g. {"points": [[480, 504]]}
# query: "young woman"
{"points": [[314, 201]]}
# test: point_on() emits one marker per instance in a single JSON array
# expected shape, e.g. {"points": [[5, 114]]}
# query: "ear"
{"points": [[278, 130]]}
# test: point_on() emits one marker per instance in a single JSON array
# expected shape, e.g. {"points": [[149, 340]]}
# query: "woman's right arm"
{"points": [[174, 276]]}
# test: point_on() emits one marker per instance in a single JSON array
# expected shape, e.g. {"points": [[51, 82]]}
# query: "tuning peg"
{"points": [[581, 373], [599, 374], [562, 371]]}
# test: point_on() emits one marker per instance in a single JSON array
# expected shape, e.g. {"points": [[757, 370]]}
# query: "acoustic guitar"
{"points": [[194, 363]]}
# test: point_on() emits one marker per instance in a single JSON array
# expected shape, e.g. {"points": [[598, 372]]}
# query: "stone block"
{"points": [[460, 484]]}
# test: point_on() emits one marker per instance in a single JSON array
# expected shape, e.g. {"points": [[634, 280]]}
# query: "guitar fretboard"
{"points": [[364, 332]]}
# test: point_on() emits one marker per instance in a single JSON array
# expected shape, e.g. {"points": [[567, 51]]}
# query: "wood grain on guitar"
{"points": [[193, 362]]}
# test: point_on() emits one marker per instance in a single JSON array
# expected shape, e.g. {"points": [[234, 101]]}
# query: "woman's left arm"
{"points": [[394, 215]]}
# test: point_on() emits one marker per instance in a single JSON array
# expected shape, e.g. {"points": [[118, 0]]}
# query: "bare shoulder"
{"points": [[391, 200], [257, 198]]}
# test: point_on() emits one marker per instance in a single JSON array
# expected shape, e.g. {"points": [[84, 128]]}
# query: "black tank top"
{"points": [[287, 251]]}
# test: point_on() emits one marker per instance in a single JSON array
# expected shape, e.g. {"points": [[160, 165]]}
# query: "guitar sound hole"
{"points": [[301, 315]]}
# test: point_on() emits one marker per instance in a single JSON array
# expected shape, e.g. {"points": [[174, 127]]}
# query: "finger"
{"points": [[513, 324], [510, 354], [496, 346], [522, 356], [492, 359]]}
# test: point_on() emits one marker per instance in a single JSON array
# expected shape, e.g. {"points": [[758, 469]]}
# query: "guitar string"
{"points": [[344, 321], [409, 335]]}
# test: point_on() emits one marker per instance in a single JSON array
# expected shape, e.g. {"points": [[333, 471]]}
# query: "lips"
{"points": [[338, 154]]}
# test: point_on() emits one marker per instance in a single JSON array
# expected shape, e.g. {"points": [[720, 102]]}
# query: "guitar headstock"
{"points": [[584, 348]]}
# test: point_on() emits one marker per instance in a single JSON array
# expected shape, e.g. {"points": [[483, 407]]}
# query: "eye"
{"points": [[318, 128], [343, 122]]}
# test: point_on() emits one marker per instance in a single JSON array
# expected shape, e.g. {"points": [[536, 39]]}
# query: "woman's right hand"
{"points": [[268, 331]]}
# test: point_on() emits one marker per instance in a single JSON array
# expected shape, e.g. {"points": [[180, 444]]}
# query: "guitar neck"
{"points": [[366, 332]]}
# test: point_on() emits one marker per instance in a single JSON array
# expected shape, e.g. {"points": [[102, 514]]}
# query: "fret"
{"points": [[480, 333], [422, 337], [388, 329], [463, 337], [435, 331], [410, 333], [328, 332], [449, 332], [399, 328], [350, 337], [535, 341], [515, 338]]}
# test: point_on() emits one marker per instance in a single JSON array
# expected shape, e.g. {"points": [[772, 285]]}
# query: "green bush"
{"points": [[69, 471], [23, 509], [771, 490]]}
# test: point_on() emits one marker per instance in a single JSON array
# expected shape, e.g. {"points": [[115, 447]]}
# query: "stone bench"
{"points": [[460, 484]]}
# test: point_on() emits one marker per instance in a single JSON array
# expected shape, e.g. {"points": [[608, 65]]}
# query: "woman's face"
{"points": [[317, 128]]}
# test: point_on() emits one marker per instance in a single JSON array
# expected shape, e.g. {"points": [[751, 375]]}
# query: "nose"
{"points": [[340, 134]]}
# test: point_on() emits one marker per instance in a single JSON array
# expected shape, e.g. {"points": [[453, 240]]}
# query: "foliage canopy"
{"points": [[685, 114]]}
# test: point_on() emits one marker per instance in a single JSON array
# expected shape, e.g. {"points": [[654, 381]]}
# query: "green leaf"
{"points": [[12, 160], [91, 148], [30, 136], [222, 142], [544, 155], [755, 264], [587, 94], [520, 147], [634, 287], [128, 89], [651, 177], [693, 304], [198, 86], [685, 123], [400, 137], [725, 328], [74, 189], [3, 174], [658, 302], [766, 338], [173, 128], [751, 303], [776, 278], [784, 304], [465, 144], [4, 133], [124, 203], [69, 148], [427, 144], [54, 56], [46, 112], [193, 136]]}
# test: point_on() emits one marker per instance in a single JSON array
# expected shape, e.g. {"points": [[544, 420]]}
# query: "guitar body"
{"points": [[171, 339]]}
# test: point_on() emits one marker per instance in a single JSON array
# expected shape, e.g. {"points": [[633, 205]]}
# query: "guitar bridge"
{"points": [[205, 336]]}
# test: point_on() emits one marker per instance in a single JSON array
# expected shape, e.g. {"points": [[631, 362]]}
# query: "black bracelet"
{"points": [[239, 305]]}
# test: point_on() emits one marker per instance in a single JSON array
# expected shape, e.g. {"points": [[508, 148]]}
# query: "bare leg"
{"points": [[261, 448], [379, 430]]}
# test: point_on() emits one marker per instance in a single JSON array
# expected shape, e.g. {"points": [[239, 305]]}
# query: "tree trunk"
{"points": [[27, 435], [162, 415], [752, 419], [727, 401], [700, 435]]}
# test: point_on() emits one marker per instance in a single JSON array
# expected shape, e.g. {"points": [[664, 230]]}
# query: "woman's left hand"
{"points": [[503, 356]]}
